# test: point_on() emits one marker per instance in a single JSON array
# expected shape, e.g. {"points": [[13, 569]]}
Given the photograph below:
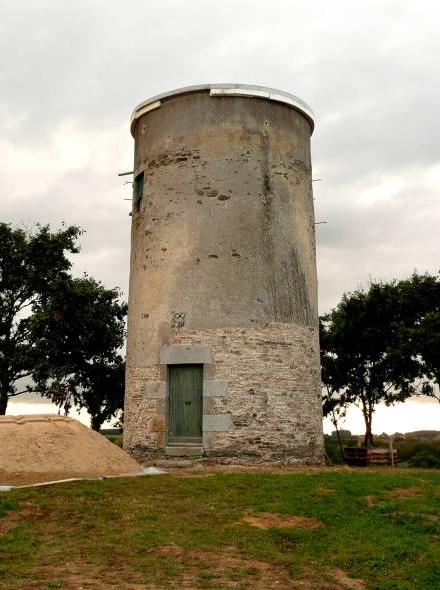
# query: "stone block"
{"points": [[254, 406], [217, 422], [160, 439], [214, 388], [208, 405], [184, 451], [155, 390], [158, 424], [173, 354]]}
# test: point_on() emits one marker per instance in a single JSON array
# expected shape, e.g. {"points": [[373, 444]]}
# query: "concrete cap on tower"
{"points": [[244, 90]]}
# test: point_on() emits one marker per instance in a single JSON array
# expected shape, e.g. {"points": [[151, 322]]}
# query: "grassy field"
{"points": [[325, 529]]}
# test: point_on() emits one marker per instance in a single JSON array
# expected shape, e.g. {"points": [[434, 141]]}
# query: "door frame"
{"points": [[199, 441]]}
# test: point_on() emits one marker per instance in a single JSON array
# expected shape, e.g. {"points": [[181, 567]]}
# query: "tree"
{"points": [[80, 331], [420, 299], [334, 404], [102, 392], [59, 337], [334, 407], [427, 344], [365, 356], [33, 265]]}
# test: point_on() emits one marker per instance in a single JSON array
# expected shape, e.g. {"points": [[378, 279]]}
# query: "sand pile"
{"points": [[48, 447]]}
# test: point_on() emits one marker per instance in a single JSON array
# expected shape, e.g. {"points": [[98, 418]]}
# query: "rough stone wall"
{"points": [[261, 395], [223, 258]]}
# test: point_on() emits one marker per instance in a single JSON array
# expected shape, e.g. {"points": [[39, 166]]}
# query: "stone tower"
{"points": [[222, 351]]}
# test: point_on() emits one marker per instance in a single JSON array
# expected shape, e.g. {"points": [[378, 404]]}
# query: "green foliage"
{"points": [[420, 453], [33, 265], [62, 332], [333, 449], [116, 439], [411, 452], [425, 460], [7, 505], [80, 329], [427, 344], [420, 299], [158, 531], [376, 345]]}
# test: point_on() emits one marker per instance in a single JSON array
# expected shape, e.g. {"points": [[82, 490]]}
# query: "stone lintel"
{"points": [[216, 422], [174, 354]]}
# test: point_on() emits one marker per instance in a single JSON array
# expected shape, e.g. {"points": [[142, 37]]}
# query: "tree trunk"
{"points": [[3, 403], [368, 417], [368, 440], [335, 424], [96, 421]]}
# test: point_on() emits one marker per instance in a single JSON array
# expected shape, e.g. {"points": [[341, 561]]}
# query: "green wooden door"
{"points": [[185, 389]]}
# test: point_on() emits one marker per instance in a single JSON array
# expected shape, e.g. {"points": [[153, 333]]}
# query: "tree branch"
{"points": [[18, 393], [386, 390], [24, 305]]}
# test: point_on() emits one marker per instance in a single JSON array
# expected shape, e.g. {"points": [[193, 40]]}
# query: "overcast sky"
{"points": [[73, 71]]}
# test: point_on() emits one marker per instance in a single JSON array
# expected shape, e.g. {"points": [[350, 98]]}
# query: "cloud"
{"points": [[75, 71], [72, 178], [380, 227], [72, 73]]}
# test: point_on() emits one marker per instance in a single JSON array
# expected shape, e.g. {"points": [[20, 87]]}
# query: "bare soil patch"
{"points": [[230, 571], [225, 570], [8, 523], [200, 569], [84, 576], [346, 582], [405, 493], [15, 518], [268, 520]]}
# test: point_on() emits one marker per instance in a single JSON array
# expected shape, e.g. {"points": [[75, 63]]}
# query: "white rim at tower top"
{"points": [[243, 90]]}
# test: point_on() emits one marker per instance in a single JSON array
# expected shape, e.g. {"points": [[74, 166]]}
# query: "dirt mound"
{"points": [[267, 520], [48, 447]]}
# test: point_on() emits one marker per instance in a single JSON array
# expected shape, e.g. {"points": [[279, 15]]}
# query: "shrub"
{"points": [[116, 439], [424, 459], [419, 453], [332, 450]]}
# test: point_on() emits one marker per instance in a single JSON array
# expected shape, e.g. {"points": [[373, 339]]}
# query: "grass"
{"points": [[378, 526]]}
